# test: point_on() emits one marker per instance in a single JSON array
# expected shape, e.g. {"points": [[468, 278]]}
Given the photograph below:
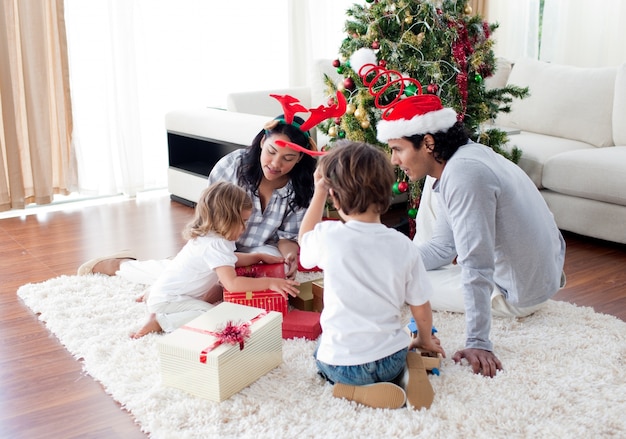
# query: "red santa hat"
{"points": [[403, 116], [420, 114]]}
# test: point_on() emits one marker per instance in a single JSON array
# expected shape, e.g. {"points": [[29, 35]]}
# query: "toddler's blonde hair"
{"points": [[219, 210]]}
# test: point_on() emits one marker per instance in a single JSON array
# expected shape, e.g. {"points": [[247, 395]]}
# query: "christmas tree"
{"points": [[439, 43]]}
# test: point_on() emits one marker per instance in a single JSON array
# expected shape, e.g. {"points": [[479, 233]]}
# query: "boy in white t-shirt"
{"points": [[370, 272]]}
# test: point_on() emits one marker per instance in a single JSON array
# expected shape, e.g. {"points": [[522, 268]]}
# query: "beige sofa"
{"points": [[572, 132]]}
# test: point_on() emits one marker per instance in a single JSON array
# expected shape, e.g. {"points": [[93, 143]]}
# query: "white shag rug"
{"points": [[564, 377]]}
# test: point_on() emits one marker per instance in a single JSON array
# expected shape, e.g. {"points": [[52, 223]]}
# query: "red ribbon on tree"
{"points": [[231, 334]]}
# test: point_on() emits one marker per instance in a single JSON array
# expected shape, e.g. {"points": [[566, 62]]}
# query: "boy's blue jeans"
{"points": [[386, 369]]}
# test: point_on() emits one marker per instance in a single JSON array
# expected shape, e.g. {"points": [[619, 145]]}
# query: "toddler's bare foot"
{"points": [[150, 326]]}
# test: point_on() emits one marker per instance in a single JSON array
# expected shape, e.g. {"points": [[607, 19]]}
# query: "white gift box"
{"points": [[193, 358]]}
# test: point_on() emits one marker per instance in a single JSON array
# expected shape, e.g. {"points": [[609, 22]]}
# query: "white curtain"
{"points": [[133, 61], [584, 33], [518, 33], [316, 32]]}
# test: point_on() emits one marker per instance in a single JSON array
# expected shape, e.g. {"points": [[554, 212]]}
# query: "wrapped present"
{"points": [[222, 351], [317, 289], [299, 323], [266, 299], [304, 300], [262, 270]]}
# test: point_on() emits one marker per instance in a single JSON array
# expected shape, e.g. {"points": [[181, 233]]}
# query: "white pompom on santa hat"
{"points": [[361, 58], [419, 114]]}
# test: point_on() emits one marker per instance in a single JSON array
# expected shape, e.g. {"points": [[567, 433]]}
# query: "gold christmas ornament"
{"points": [[332, 131], [359, 113], [467, 10], [365, 124], [350, 109]]}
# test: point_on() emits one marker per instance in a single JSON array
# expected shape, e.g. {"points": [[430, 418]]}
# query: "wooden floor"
{"points": [[43, 392]]}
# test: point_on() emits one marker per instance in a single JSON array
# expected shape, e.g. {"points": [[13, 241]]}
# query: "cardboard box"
{"points": [[299, 323], [266, 299], [317, 289], [193, 358], [304, 300]]}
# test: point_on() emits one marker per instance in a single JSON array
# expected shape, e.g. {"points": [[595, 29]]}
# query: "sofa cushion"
{"points": [[538, 148], [571, 102], [501, 74], [619, 107], [260, 102], [597, 174]]}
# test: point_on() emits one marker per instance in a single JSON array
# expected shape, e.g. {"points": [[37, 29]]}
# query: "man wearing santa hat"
{"points": [[484, 231]]}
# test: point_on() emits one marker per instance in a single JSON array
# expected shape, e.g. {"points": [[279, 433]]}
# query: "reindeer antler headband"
{"points": [[402, 116], [291, 106]]}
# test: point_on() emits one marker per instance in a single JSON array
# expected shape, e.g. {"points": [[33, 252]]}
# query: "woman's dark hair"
{"points": [[446, 143], [250, 172]]}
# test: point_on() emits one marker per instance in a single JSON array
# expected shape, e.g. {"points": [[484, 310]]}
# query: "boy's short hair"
{"points": [[360, 175]]}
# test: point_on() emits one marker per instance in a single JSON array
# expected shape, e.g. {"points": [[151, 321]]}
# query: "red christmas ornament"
{"points": [[432, 88], [403, 186], [337, 120], [382, 63], [348, 83], [375, 45], [336, 63]]}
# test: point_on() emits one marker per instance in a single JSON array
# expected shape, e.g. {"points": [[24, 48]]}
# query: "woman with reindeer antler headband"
{"points": [[277, 172]]}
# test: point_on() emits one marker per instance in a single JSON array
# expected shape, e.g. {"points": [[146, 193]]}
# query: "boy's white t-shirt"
{"points": [[370, 271], [192, 271]]}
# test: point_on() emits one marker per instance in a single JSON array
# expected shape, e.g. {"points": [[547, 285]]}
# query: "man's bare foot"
{"points": [[149, 327], [109, 266]]}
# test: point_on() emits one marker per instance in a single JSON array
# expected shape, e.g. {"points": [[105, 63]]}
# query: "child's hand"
{"points": [[286, 287], [143, 297], [318, 179], [430, 344]]}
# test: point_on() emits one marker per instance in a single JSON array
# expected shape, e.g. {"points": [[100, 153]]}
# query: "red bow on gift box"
{"points": [[230, 334]]}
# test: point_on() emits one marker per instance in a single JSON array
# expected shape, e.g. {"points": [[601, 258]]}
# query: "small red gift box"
{"points": [[299, 323], [266, 299]]}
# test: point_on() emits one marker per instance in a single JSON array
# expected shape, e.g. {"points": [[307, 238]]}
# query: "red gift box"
{"points": [[299, 323], [266, 299]]}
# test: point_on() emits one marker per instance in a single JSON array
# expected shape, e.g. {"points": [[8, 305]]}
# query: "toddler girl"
{"points": [[207, 262]]}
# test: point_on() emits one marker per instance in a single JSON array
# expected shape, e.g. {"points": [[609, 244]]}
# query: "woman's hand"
{"points": [[291, 265]]}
